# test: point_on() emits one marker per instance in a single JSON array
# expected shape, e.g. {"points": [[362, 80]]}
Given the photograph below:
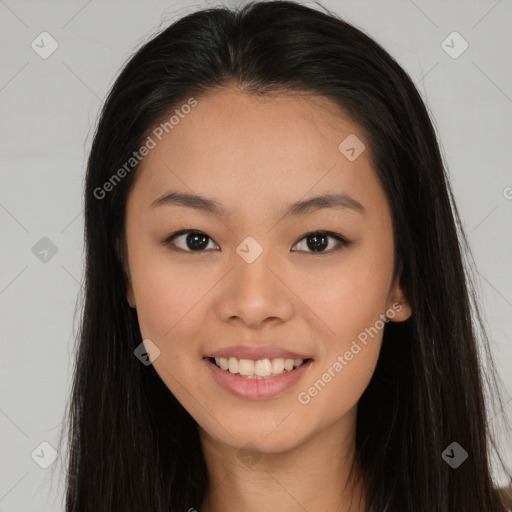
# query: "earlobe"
{"points": [[399, 311], [399, 308], [129, 296]]}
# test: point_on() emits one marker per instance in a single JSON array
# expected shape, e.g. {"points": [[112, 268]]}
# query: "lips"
{"points": [[257, 389], [256, 353]]}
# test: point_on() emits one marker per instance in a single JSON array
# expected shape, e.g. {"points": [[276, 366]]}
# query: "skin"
{"points": [[254, 156]]}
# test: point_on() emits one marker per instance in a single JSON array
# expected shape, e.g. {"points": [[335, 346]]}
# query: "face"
{"points": [[256, 282]]}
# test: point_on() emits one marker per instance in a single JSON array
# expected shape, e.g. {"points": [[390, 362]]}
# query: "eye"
{"points": [[197, 241], [318, 241]]}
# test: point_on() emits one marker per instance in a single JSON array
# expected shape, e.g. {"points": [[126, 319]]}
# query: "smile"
{"points": [[243, 377], [259, 369]]}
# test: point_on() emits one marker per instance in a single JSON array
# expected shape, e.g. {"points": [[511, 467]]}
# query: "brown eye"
{"points": [[191, 241], [318, 241]]}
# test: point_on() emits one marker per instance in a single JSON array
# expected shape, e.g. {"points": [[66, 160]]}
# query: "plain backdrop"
{"points": [[49, 107]]}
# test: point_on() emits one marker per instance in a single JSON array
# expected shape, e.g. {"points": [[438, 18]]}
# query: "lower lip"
{"points": [[257, 389]]}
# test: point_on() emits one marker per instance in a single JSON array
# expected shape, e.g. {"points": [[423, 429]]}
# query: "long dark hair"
{"points": [[132, 446]]}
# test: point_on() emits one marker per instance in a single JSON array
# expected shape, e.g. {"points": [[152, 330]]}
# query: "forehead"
{"points": [[252, 149]]}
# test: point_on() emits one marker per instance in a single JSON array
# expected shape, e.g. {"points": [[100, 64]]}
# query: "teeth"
{"points": [[233, 365], [245, 367], [277, 366], [288, 364], [261, 368]]}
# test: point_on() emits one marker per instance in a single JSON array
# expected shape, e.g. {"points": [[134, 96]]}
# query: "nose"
{"points": [[255, 293]]}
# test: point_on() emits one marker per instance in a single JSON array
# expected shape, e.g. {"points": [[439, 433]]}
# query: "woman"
{"points": [[277, 315]]}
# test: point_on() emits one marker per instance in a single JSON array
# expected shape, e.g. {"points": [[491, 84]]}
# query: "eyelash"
{"points": [[343, 241]]}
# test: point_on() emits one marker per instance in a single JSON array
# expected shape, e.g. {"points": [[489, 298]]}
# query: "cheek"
{"points": [[168, 295], [332, 394], [169, 311], [354, 295], [353, 307], [347, 365]]}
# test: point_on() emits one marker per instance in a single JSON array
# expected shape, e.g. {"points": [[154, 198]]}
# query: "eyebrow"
{"points": [[324, 201]]}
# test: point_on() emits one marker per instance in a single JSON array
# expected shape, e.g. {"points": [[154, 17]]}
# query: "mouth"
{"points": [[260, 379], [259, 369]]}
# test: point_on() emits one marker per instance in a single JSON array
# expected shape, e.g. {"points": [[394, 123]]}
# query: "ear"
{"points": [[129, 292], [120, 248], [399, 308]]}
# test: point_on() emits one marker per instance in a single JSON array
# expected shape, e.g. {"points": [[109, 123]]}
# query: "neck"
{"points": [[313, 476]]}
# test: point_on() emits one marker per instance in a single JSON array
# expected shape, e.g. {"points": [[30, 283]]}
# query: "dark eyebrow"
{"points": [[191, 201], [342, 201], [302, 207]]}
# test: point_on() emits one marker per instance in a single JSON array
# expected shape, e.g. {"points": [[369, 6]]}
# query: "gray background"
{"points": [[49, 109]]}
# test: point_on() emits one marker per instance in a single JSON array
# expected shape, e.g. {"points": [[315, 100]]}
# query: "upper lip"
{"points": [[256, 353]]}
